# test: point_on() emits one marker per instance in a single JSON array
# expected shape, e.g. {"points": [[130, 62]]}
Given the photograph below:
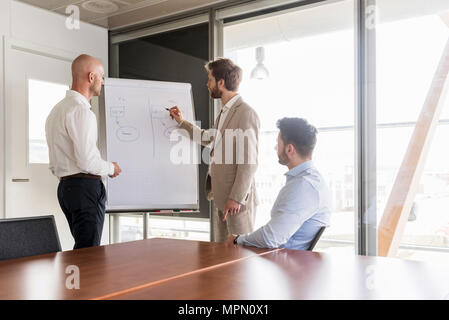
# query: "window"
{"points": [[42, 97], [311, 76], [131, 228], [308, 54], [179, 228], [411, 40]]}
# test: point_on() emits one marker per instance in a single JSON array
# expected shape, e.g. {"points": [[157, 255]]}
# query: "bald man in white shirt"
{"points": [[71, 131]]}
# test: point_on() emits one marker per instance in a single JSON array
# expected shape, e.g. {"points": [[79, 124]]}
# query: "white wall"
{"points": [[36, 26], [4, 30]]}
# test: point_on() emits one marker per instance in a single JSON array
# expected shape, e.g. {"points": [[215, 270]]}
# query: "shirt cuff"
{"points": [[240, 203], [111, 169], [241, 239]]}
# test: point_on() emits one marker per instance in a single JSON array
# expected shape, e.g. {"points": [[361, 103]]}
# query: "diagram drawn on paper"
{"points": [[124, 133], [161, 122]]}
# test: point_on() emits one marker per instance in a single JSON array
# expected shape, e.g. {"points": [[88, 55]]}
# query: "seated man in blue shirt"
{"points": [[303, 205]]}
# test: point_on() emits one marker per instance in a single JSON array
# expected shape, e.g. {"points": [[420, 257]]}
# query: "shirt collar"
{"points": [[231, 102], [299, 168], [76, 94]]}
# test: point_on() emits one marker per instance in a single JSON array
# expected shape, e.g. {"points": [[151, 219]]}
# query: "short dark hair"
{"points": [[299, 133], [225, 69]]}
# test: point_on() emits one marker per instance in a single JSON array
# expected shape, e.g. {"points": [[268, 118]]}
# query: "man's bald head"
{"points": [[83, 65], [87, 74]]}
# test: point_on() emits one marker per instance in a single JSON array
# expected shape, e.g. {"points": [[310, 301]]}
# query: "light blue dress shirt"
{"points": [[302, 207]]}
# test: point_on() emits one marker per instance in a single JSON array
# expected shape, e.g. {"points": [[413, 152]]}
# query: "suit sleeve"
{"points": [[247, 144], [198, 135]]}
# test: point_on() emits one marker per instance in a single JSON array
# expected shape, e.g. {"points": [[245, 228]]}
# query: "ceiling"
{"points": [[115, 14]]}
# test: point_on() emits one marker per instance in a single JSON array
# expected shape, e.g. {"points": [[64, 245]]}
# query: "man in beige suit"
{"points": [[234, 149]]}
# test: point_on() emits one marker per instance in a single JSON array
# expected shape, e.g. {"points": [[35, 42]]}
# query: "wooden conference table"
{"points": [[180, 269]]}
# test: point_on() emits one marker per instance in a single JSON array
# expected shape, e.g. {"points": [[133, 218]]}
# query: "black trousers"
{"points": [[83, 202]]}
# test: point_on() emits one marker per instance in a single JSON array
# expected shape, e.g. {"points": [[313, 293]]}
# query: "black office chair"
{"points": [[316, 238], [22, 237]]}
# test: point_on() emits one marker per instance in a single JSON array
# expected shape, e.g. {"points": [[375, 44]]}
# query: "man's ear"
{"points": [[91, 77], [290, 149], [221, 83]]}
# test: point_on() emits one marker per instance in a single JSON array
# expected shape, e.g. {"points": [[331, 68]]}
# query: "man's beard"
{"points": [[215, 93], [283, 159], [96, 91]]}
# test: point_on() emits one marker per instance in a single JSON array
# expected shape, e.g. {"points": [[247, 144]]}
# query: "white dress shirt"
{"points": [[225, 109], [71, 132]]}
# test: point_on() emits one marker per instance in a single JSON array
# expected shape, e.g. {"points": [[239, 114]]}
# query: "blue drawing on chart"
{"points": [[124, 133]]}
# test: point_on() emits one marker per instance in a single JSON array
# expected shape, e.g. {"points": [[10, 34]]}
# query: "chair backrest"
{"points": [[316, 238], [22, 237]]}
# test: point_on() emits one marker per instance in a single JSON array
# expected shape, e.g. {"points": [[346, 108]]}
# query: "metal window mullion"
{"points": [[365, 133], [215, 50]]}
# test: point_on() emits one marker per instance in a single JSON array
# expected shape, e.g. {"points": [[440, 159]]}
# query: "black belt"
{"points": [[81, 175]]}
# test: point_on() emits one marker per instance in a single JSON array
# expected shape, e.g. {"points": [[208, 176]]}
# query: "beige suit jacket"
{"points": [[234, 177]]}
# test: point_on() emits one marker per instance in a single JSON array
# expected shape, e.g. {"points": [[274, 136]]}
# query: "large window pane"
{"points": [[311, 75], [410, 43]]}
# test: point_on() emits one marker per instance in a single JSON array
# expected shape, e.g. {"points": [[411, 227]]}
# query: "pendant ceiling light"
{"points": [[260, 72]]}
